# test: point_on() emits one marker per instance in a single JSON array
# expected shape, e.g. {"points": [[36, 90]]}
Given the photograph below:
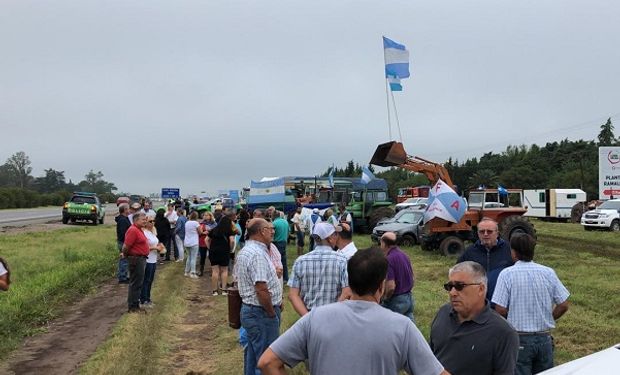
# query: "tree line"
{"points": [[19, 189], [563, 164]]}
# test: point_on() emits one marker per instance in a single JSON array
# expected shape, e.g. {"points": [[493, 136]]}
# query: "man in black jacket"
{"points": [[490, 251], [122, 224]]}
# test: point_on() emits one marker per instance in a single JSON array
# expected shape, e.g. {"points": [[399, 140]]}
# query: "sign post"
{"points": [[608, 172], [170, 193]]}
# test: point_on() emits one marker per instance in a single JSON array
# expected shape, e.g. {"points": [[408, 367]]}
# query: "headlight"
{"points": [[93, 208]]}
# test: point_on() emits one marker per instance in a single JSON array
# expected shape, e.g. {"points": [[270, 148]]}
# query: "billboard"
{"points": [[168, 193], [608, 172]]}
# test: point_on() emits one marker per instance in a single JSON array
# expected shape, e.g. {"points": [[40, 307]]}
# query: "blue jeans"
{"points": [[190, 264], [281, 245], [535, 353], [402, 304], [123, 267], [149, 276], [261, 332]]}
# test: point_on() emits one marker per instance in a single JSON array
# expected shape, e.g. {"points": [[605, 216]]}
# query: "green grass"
{"points": [[48, 269], [140, 341], [591, 324]]}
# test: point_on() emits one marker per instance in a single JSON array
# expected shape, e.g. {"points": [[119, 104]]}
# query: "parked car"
{"points": [[121, 200], [407, 224], [83, 206], [605, 216], [418, 202]]}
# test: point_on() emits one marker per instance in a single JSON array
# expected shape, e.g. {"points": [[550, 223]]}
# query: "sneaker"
{"points": [[193, 276], [148, 305], [178, 260], [214, 293], [224, 293], [186, 274]]}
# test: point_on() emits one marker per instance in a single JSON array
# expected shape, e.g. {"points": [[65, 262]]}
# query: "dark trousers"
{"points": [[281, 245], [203, 258], [149, 276], [311, 243], [170, 246], [136, 278]]}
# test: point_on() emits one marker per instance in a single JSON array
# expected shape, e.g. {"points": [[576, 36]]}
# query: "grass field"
{"points": [[49, 269], [52, 268]]}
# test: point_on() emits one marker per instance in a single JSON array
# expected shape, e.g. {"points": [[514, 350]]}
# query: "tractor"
{"points": [[505, 207]]}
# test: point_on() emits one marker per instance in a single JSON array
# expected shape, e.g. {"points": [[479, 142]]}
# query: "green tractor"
{"points": [[369, 204]]}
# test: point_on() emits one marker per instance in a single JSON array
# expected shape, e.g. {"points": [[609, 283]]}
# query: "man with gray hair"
{"points": [[467, 336]]}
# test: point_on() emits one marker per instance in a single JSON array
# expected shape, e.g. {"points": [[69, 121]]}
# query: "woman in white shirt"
{"points": [[191, 244], [156, 248]]}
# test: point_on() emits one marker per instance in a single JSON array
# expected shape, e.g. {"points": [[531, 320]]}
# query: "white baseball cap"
{"points": [[324, 230]]}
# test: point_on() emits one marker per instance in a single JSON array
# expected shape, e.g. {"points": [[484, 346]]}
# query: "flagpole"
{"points": [[396, 116], [387, 97]]}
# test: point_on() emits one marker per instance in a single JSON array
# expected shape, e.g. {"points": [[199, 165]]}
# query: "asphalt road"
{"points": [[24, 216]]}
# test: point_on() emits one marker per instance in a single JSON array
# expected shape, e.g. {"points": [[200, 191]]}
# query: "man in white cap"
{"points": [[314, 219], [319, 277]]}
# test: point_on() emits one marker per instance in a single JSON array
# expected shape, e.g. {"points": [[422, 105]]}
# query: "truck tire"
{"points": [[615, 226], [376, 215], [588, 228], [101, 220], [452, 246], [65, 220], [408, 240], [426, 246], [515, 224]]}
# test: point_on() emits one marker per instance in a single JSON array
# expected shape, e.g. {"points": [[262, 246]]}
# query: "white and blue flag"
{"points": [[330, 178], [396, 63], [367, 175], [266, 191], [444, 203]]}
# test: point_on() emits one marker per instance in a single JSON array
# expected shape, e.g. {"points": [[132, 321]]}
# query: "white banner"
{"points": [[608, 172]]}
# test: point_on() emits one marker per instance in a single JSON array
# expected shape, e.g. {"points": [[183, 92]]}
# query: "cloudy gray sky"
{"points": [[207, 95]]}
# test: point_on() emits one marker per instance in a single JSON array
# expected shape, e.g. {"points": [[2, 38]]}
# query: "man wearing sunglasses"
{"points": [[490, 251], [467, 336]]}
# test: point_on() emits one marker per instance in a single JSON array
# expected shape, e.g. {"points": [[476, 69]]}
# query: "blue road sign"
{"points": [[168, 193]]}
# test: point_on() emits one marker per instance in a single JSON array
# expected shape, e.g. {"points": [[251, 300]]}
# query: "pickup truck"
{"points": [[605, 216], [83, 206]]}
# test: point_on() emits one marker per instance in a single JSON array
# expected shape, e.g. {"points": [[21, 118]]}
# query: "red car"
{"points": [[121, 200]]}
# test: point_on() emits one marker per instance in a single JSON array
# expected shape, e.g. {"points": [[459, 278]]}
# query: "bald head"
{"points": [[254, 226], [388, 240]]}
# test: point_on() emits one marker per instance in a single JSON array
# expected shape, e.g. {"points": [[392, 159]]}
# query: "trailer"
{"points": [[552, 203]]}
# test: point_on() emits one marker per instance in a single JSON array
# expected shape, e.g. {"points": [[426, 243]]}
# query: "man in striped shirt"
{"points": [[319, 277], [531, 297]]}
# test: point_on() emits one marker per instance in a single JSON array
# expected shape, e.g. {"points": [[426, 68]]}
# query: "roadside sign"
{"points": [[168, 193], [609, 172]]}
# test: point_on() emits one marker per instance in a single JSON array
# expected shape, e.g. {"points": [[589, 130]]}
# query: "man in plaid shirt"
{"points": [[532, 298], [260, 291], [319, 277]]}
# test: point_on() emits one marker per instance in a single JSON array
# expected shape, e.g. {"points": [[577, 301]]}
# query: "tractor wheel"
{"points": [[408, 240], [576, 212], [515, 224], [378, 214], [452, 246], [615, 226]]}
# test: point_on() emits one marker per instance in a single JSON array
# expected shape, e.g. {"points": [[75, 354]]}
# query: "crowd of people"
{"points": [[355, 307]]}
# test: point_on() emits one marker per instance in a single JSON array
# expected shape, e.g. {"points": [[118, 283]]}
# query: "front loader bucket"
{"points": [[389, 154]]}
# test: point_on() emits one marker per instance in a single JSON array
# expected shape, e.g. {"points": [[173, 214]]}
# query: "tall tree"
{"points": [[606, 136], [19, 165], [52, 181]]}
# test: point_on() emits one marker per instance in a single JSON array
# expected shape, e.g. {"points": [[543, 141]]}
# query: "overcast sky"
{"points": [[207, 95]]}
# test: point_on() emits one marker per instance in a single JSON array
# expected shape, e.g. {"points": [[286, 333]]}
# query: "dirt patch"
{"points": [[193, 353], [70, 340]]}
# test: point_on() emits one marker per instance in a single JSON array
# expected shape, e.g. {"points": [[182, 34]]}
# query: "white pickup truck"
{"points": [[605, 216]]}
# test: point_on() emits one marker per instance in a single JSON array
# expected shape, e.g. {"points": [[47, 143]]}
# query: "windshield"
{"points": [[409, 217], [81, 199], [610, 205]]}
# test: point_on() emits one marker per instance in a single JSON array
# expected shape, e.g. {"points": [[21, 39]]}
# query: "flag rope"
{"points": [[396, 116]]}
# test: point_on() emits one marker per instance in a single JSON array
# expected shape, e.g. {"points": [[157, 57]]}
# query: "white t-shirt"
{"points": [[349, 250], [153, 241], [299, 220], [172, 217], [3, 270], [191, 233]]}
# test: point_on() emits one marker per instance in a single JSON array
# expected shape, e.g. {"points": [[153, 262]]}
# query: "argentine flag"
{"points": [[396, 59], [367, 175]]}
